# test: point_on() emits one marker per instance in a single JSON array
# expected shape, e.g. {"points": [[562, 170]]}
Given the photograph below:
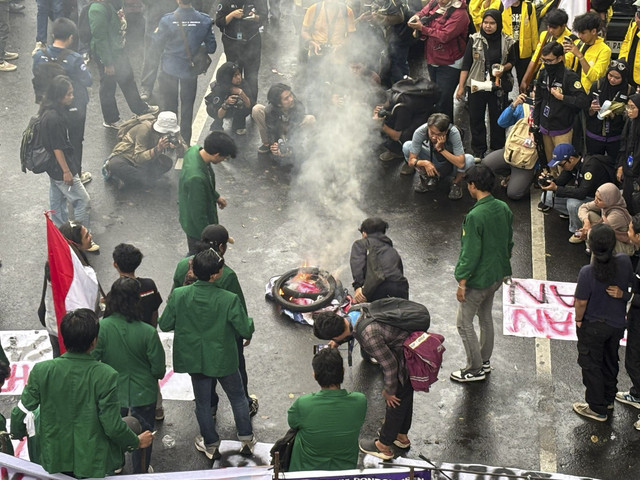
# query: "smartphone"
{"points": [[528, 100], [568, 39], [319, 346]]}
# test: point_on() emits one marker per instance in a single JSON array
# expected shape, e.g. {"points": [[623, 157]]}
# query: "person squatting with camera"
{"points": [[230, 97]]}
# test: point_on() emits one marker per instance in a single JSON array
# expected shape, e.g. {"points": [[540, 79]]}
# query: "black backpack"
{"points": [[33, 156], [398, 312], [45, 71]]}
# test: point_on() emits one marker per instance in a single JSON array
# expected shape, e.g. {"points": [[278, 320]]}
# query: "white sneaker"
{"points": [[211, 451], [39, 46], [7, 67], [94, 247], [85, 177], [247, 446], [11, 56], [115, 125]]}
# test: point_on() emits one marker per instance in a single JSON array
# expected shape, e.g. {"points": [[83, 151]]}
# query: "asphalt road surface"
{"points": [[282, 215]]}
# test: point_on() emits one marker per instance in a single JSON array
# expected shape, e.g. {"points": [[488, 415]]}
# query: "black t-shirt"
{"points": [[54, 135], [150, 298]]}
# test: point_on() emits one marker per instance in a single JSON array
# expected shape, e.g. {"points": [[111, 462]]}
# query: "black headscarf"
{"points": [[497, 16], [609, 91], [494, 40]]}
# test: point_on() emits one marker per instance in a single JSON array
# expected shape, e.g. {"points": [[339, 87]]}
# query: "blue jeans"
{"points": [[567, 206], [47, 9], [444, 167], [146, 415], [60, 194], [204, 391]]}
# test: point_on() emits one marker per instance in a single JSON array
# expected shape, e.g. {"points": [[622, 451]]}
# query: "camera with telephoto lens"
{"points": [[545, 180]]}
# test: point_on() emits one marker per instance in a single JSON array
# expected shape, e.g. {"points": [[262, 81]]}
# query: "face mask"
{"points": [[554, 68]]}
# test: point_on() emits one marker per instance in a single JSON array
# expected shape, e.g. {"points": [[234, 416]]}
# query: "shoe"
{"points": [[626, 397], [11, 56], [610, 406], [144, 94], [241, 131], [575, 238], [7, 67], [15, 8], [402, 445], [150, 469], [115, 125], [486, 367], [543, 207], [455, 192], [427, 184], [389, 156], [94, 247], [468, 376], [211, 451], [264, 149], [247, 446], [39, 46], [583, 409], [106, 174], [564, 216], [253, 405], [159, 414], [370, 447], [151, 109], [85, 177], [407, 169]]}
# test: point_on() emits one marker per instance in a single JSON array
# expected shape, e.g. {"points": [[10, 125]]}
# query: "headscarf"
{"points": [[635, 98], [614, 210], [497, 16], [609, 91]]}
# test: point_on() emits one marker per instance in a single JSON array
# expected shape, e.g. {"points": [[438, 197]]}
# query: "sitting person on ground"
{"points": [[604, 129], [145, 151], [374, 238], [328, 421], [230, 97], [436, 151], [610, 208], [517, 180], [576, 185], [282, 122], [409, 102]]}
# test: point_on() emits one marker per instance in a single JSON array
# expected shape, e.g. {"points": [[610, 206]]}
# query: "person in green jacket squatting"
{"points": [[198, 200], [483, 263], [217, 237], [207, 320], [328, 421], [81, 432]]}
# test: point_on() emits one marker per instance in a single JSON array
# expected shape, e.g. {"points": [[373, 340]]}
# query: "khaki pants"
{"points": [[550, 142]]}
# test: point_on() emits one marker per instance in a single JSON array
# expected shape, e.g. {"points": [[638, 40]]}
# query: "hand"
{"points": [[145, 439], [440, 143], [110, 70], [415, 23], [570, 47], [376, 109], [236, 91], [557, 92], [519, 100], [222, 202], [430, 169], [595, 106], [332, 344], [315, 46], [163, 143], [614, 291], [460, 93], [232, 99], [358, 296], [275, 149], [238, 13], [461, 293], [67, 178], [552, 187], [246, 343], [392, 400], [619, 174]]}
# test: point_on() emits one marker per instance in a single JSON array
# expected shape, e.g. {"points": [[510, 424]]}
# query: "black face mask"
{"points": [[554, 68]]}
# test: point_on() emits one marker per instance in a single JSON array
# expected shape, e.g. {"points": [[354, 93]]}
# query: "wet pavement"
{"points": [[281, 215]]}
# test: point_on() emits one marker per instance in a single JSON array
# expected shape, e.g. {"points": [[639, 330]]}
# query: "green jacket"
{"points": [[197, 194], [228, 281], [328, 424], [206, 320], [81, 430], [106, 38], [134, 350], [486, 243]]}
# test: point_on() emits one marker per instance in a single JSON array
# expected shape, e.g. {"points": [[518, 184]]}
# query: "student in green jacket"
{"points": [[217, 237], [81, 432], [132, 347], [207, 320], [484, 261]]}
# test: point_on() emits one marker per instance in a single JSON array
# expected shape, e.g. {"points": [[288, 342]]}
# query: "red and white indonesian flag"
{"points": [[73, 285]]}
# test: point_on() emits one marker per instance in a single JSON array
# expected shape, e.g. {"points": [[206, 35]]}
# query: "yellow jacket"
{"points": [[528, 38], [542, 39], [476, 9], [632, 31], [598, 56]]}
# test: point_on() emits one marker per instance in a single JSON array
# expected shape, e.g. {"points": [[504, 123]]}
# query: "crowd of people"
{"points": [[574, 132]]}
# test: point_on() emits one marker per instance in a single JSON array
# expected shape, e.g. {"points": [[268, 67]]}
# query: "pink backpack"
{"points": [[423, 355]]}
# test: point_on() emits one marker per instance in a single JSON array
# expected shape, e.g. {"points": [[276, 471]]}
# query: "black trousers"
{"points": [[398, 419], [185, 88], [124, 79], [627, 193], [247, 56], [144, 175], [598, 345], [478, 104], [632, 354]]}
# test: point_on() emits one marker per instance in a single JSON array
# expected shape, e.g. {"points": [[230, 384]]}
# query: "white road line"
{"points": [[201, 117], [546, 430]]}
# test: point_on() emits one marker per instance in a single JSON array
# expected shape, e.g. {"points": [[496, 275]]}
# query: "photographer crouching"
{"points": [[147, 148], [230, 97]]}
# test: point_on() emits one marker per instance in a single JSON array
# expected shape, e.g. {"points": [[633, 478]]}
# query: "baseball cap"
{"points": [[217, 234], [561, 153]]}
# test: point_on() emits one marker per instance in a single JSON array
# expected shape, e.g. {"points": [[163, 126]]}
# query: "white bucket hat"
{"points": [[167, 122]]}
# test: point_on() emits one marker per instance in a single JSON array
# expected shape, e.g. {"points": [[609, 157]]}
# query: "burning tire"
{"points": [[303, 284]]}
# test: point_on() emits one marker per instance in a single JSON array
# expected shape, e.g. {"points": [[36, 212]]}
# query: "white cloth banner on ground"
{"points": [[540, 309]]}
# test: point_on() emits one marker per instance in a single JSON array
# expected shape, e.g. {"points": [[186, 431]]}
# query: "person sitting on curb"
{"points": [[435, 151]]}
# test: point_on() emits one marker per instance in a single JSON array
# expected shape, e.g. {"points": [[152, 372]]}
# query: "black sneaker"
{"points": [[543, 207], [253, 405], [486, 367], [467, 376]]}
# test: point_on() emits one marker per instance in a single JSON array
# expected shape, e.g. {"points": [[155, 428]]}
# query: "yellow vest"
{"points": [[528, 38], [632, 31]]}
